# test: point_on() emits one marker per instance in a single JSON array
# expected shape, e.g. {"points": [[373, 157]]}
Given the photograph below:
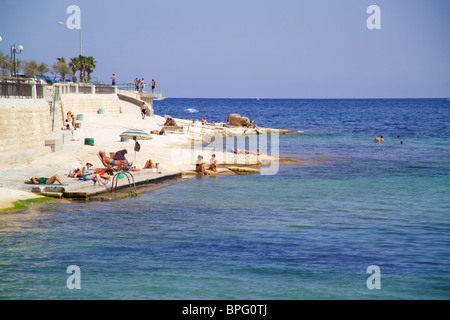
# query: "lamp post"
{"points": [[81, 37], [15, 50]]}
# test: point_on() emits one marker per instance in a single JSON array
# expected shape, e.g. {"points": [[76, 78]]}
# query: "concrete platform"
{"points": [[77, 189]]}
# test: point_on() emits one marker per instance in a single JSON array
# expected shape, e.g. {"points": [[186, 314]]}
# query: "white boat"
{"points": [[160, 98]]}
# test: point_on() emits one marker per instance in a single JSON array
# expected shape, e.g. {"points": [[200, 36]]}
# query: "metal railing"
{"points": [[116, 177], [104, 89], [40, 91], [85, 89], [130, 86], [21, 88], [18, 88]]}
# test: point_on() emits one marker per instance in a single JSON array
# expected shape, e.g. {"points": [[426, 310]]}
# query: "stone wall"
{"points": [[81, 103], [24, 125]]}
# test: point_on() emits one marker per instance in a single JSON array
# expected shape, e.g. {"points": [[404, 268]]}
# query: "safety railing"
{"points": [[17, 88], [82, 88]]}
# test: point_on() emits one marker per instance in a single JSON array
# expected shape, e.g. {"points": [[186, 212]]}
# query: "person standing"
{"points": [[153, 85], [143, 110], [136, 84], [142, 85], [113, 78]]}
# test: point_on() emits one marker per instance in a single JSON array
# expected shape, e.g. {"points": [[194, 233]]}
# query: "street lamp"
{"points": [[81, 51], [15, 50]]}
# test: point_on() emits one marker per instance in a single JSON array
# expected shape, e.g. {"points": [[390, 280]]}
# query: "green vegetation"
{"points": [[60, 68], [82, 65], [30, 68], [23, 204]]}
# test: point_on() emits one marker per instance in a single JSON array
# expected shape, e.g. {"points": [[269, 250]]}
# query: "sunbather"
{"points": [[169, 122], [151, 165], [160, 132], [111, 162], [120, 155], [245, 152], [91, 176], [76, 173], [43, 180]]}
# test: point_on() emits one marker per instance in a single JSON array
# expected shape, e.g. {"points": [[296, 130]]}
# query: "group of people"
{"points": [[169, 122], [119, 159], [70, 119], [212, 123], [379, 139], [200, 166], [86, 174], [139, 85], [100, 176]]}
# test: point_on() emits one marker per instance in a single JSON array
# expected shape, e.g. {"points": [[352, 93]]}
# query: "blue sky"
{"points": [[247, 48]]}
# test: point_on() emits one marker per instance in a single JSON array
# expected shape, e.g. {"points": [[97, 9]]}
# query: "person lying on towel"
{"points": [[43, 180]]}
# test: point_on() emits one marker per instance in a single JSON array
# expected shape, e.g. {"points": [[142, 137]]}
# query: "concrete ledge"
{"points": [[55, 141], [67, 136], [76, 189]]}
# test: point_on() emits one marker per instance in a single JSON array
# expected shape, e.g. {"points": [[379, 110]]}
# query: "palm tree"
{"points": [[82, 68], [74, 65], [90, 66]]}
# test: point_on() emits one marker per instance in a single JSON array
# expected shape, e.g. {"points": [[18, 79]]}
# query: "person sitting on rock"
{"points": [[213, 163], [200, 166]]}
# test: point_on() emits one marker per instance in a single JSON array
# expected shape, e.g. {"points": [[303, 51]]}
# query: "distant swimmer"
{"points": [[378, 139]]}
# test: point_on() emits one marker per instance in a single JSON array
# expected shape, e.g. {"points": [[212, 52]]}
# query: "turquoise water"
{"points": [[308, 232]]}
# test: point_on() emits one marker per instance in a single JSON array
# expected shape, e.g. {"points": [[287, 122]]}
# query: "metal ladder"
{"points": [[128, 175]]}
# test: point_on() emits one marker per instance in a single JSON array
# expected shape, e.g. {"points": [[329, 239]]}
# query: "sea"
{"points": [[351, 219]]}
